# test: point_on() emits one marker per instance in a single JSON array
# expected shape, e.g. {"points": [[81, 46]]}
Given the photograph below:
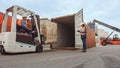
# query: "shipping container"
{"points": [[67, 35]]}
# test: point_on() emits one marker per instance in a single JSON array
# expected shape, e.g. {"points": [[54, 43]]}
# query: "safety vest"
{"points": [[19, 22], [83, 31]]}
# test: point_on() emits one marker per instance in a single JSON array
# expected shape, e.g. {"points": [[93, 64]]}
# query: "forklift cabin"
{"points": [[13, 41]]}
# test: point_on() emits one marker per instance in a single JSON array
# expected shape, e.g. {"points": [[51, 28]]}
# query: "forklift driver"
{"points": [[29, 24], [22, 26]]}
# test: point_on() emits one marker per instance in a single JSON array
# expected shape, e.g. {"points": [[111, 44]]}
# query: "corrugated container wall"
{"points": [[91, 41]]}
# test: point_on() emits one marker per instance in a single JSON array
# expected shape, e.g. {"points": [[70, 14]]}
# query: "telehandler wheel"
{"points": [[104, 43], [2, 51], [39, 48]]}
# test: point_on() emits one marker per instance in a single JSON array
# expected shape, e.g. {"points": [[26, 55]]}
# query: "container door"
{"points": [[78, 21]]}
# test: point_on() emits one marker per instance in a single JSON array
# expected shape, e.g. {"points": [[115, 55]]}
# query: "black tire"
{"points": [[104, 43], [39, 49], [2, 51], [51, 45]]}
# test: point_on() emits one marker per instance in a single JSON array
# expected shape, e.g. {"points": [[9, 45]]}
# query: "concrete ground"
{"points": [[97, 57]]}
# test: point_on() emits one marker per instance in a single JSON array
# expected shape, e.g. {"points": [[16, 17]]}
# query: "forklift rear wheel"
{"points": [[2, 50], [39, 49]]}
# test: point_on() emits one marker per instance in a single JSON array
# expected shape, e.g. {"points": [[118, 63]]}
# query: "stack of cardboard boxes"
{"points": [[49, 30]]}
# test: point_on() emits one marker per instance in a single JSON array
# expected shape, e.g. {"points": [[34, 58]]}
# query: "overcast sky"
{"points": [[107, 11]]}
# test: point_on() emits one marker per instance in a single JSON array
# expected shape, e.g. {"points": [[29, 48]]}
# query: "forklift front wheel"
{"points": [[39, 48], [2, 50], [51, 45]]}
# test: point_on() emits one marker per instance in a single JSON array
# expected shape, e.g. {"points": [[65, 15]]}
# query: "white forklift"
{"points": [[15, 41]]}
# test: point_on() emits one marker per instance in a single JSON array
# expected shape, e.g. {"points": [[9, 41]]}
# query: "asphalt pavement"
{"points": [[97, 57]]}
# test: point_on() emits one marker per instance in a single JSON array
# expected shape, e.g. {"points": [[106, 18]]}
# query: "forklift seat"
{"points": [[24, 38]]}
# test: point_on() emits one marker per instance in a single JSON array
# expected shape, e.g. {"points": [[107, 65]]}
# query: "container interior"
{"points": [[65, 31]]}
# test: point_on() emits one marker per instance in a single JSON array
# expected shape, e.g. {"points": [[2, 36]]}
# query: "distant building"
{"points": [[99, 32], [102, 33], [93, 27]]}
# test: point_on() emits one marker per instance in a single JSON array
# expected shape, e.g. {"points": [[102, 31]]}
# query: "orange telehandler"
{"points": [[115, 40]]}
